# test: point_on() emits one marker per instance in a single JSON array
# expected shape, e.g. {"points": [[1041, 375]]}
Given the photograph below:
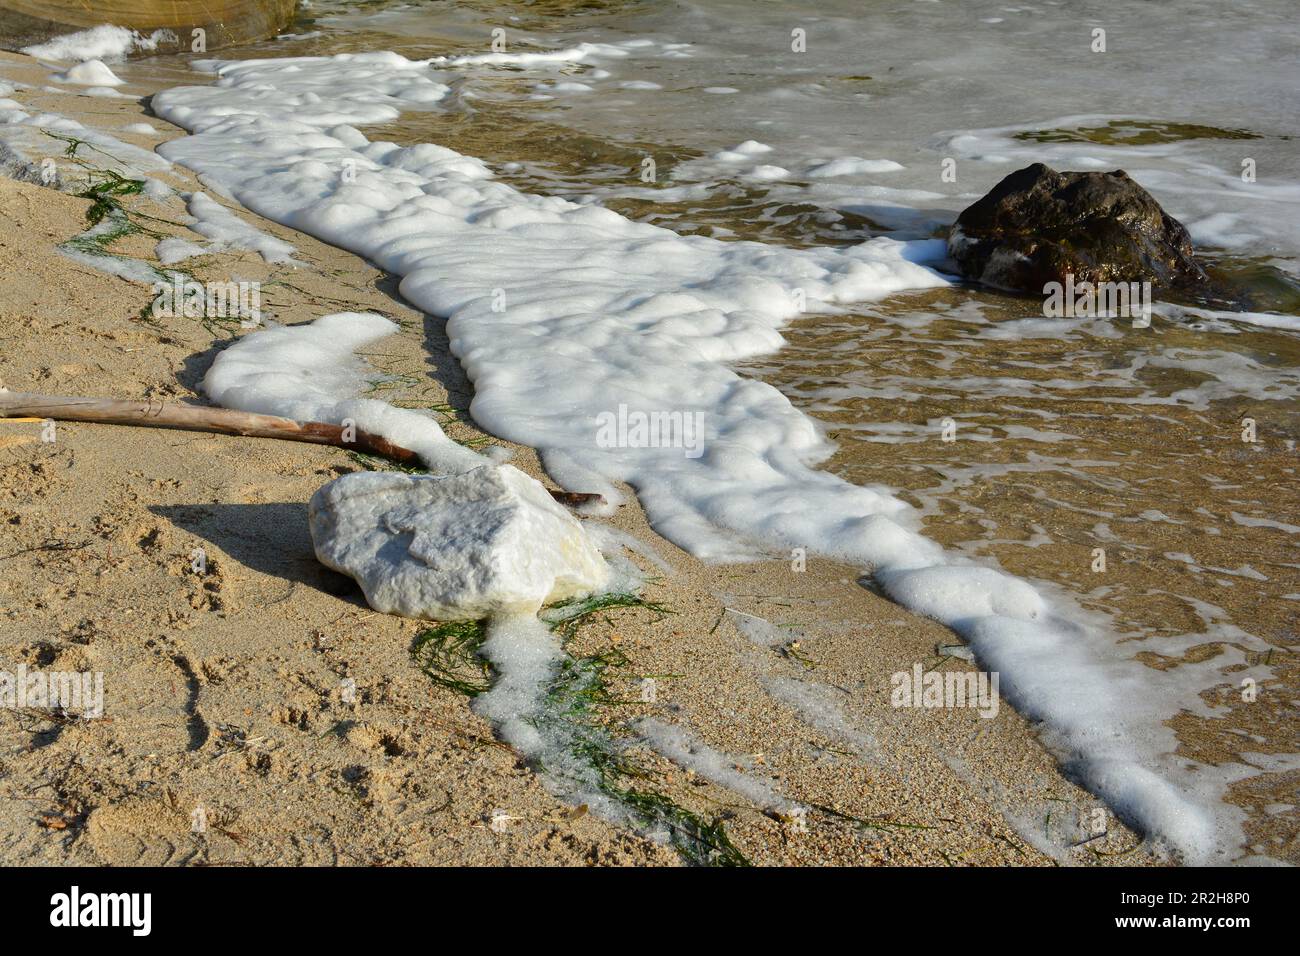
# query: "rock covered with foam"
{"points": [[489, 541]]}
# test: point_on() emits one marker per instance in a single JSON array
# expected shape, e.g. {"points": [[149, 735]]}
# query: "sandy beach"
{"points": [[732, 435], [266, 695]]}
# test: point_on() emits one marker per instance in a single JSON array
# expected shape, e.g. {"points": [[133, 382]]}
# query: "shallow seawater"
{"points": [[1046, 446], [1106, 443]]}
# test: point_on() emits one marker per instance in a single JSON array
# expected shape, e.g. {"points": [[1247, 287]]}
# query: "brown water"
{"points": [[1068, 445]]}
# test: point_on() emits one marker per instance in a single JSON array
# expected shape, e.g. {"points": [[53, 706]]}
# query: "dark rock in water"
{"points": [[1039, 226]]}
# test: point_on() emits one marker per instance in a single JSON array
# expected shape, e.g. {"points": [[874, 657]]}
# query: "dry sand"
{"points": [[226, 690]]}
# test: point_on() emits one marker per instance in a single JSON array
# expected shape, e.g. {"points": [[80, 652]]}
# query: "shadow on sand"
{"points": [[272, 538]]}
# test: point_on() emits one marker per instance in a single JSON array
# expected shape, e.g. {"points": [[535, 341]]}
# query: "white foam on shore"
{"points": [[560, 312], [105, 42], [124, 267], [525, 654], [852, 166], [527, 657], [1268, 320], [90, 73], [227, 231], [310, 373], [34, 137], [575, 54], [628, 313], [687, 751], [696, 178]]}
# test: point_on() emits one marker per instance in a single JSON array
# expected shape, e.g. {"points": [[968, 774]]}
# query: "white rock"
{"points": [[489, 541]]}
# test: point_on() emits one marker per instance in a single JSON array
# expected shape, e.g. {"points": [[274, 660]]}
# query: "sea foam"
{"points": [[560, 312]]}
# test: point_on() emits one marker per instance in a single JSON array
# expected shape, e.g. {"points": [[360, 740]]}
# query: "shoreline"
{"points": [[236, 676]]}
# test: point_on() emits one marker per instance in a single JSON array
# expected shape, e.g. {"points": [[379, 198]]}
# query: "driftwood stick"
{"points": [[223, 421]]}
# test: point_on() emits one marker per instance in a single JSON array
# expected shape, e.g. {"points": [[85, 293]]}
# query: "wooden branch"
{"points": [[223, 421]]}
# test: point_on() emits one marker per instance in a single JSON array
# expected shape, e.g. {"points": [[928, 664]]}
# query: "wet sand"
{"points": [[226, 691]]}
